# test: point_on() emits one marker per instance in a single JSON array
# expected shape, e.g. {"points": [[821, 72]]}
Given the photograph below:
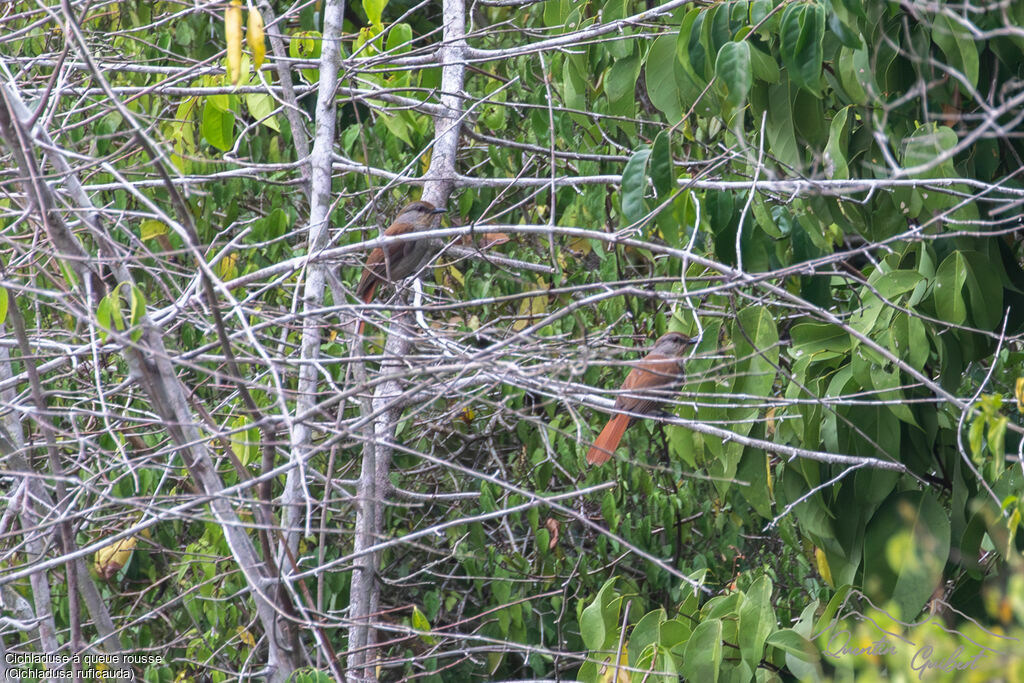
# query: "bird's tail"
{"points": [[367, 297], [608, 440]]}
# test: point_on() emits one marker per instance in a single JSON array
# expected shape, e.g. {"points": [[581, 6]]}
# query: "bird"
{"points": [[396, 261], [659, 369]]}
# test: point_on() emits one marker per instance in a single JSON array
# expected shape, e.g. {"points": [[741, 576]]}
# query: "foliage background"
{"points": [[825, 193]]}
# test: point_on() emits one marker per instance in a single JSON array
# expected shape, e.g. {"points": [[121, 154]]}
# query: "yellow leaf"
{"points": [[823, 568], [245, 636], [1018, 392], [420, 623], [532, 307], [227, 269], [610, 674], [255, 38], [579, 245], [456, 274], [233, 36], [111, 558], [151, 229]]}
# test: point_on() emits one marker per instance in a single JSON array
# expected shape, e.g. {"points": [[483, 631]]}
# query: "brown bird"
{"points": [[659, 369], [398, 260]]}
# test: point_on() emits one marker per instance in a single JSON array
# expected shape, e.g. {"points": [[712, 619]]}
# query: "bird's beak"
{"points": [[442, 210]]}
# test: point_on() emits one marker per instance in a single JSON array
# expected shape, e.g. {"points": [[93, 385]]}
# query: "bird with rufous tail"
{"points": [[658, 370], [395, 261]]}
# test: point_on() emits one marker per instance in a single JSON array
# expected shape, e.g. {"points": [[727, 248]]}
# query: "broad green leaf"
{"points": [[152, 228], [574, 88], [985, 292], [660, 76], [780, 131], [374, 11], [756, 620], [620, 82], [662, 170], [702, 658], [398, 125], [813, 338], [956, 43], [261, 106], [634, 186], [791, 642], [897, 282], [948, 291], [842, 31], [855, 74], [802, 30], [924, 146], [137, 306], [218, 127], [399, 38], [645, 633], [732, 68], [422, 624], [595, 623], [906, 547], [763, 65], [306, 45], [836, 167]]}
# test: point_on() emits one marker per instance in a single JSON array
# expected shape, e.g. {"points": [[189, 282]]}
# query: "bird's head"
{"points": [[672, 344]]}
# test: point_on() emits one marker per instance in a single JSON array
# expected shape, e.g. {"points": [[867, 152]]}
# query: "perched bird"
{"points": [[659, 369], [398, 260]]}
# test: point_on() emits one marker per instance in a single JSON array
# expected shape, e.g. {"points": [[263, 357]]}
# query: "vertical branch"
{"points": [[374, 476], [295, 498]]}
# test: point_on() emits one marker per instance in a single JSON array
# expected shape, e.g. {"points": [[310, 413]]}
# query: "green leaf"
{"points": [[597, 619], [732, 68], [956, 43], [924, 145], [4, 302], [137, 304], [836, 167], [763, 65], [948, 292], [218, 127], [781, 134], [660, 75], [855, 74], [844, 33], [399, 38], [702, 658], [905, 550], [897, 282], [756, 621], [985, 291], [374, 10], [108, 313], [813, 338], [802, 32], [261, 106], [791, 642], [646, 632], [634, 186], [663, 172], [621, 79], [574, 88], [422, 624], [975, 436]]}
